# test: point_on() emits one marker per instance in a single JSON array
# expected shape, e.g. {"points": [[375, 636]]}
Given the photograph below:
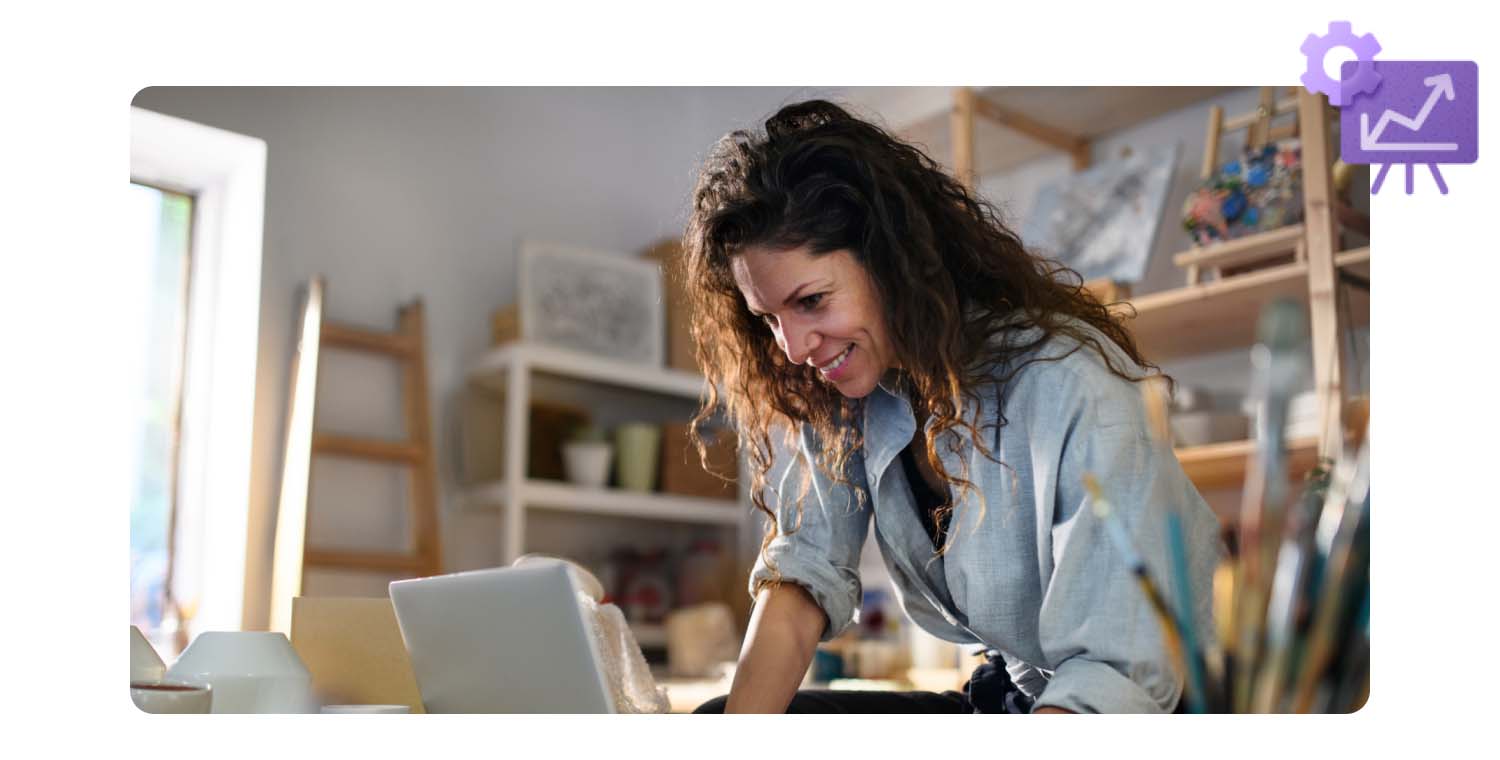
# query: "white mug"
{"points": [[171, 697]]}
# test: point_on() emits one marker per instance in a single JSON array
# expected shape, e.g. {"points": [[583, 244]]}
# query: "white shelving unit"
{"points": [[509, 371], [502, 365], [546, 494]]}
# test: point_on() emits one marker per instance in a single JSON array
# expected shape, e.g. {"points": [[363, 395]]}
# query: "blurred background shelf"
{"points": [[546, 494], [1221, 315], [1223, 465], [512, 383]]}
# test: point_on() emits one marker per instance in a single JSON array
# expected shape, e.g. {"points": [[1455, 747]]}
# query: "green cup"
{"points": [[637, 454]]}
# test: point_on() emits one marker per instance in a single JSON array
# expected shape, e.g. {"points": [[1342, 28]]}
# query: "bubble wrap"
{"points": [[630, 681]]}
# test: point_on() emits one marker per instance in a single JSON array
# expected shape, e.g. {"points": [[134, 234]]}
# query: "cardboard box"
{"points": [[354, 650], [679, 337], [682, 472]]}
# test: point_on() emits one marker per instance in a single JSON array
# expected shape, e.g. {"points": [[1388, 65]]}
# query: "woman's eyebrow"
{"points": [[796, 293]]}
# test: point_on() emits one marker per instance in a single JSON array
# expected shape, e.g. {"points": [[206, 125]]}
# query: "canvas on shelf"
{"points": [[603, 304], [1102, 222]]}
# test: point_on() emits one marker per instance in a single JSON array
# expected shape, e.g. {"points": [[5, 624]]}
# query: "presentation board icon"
{"points": [[1423, 112]]}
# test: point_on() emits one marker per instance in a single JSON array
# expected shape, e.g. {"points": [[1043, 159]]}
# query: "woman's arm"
{"points": [[784, 632]]}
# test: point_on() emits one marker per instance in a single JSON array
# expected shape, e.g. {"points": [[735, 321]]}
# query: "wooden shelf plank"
{"points": [[1221, 315], [1223, 465], [366, 448], [547, 494], [1230, 253], [489, 371]]}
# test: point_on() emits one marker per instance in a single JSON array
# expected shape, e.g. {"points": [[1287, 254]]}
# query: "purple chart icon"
{"points": [[1423, 112]]}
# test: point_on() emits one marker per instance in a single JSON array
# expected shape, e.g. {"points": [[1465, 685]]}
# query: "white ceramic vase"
{"points": [[250, 672]]}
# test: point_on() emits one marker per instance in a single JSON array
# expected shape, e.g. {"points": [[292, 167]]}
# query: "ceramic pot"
{"points": [[249, 671], [587, 462]]}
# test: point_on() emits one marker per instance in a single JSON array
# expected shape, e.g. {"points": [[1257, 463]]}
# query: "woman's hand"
{"points": [[784, 632]]}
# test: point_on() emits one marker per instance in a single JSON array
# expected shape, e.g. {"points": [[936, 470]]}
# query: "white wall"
{"points": [[399, 192]]}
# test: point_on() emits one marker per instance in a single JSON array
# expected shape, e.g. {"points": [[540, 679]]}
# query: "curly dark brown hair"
{"points": [[953, 280]]}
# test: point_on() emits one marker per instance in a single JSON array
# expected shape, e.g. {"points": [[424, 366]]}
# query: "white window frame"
{"points": [[226, 174]]}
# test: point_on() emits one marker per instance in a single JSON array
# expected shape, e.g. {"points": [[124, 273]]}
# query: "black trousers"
{"points": [[821, 701], [988, 690]]}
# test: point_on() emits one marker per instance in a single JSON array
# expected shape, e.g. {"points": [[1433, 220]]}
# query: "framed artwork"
{"points": [[603, 304], [1102, 222]]}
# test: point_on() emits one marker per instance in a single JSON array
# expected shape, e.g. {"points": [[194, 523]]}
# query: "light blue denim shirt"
{"points": [[1036, 579]]}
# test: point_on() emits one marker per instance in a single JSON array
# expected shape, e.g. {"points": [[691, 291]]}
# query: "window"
{"points": [[160, 242], [200, 194]]}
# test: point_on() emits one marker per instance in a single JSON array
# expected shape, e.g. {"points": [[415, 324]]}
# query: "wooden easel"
{"points": [[407, 345], [1314, 241], [1257, 248]]}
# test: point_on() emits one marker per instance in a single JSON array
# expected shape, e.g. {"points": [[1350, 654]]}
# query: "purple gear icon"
{"points": [[1365, 79]]}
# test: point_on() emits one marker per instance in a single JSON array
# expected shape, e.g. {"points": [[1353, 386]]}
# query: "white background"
{"points": [[71, 71]]}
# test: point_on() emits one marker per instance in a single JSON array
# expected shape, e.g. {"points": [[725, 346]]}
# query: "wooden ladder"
{"points": [[406, 345]]}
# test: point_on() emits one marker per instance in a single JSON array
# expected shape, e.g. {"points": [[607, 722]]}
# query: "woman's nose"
{"points": [[798, 341]]}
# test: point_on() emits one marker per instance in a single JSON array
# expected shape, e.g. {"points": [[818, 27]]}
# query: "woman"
{"points": [[845, 290]]}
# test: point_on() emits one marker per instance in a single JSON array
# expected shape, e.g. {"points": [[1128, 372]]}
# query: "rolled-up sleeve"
{"points": [[1097, 630], [820, 549]]}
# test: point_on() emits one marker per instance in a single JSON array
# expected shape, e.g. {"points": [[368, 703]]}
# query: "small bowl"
{"points": [[171, 697]]}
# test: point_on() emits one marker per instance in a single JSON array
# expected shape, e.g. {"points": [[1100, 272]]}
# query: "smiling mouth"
{"points": [[834, 368]]}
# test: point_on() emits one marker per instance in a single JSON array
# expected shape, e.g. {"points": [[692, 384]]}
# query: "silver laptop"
{"points": [[505, 640]]}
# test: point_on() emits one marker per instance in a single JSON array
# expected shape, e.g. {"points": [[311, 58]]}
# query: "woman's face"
{"points": [[824, 311]]}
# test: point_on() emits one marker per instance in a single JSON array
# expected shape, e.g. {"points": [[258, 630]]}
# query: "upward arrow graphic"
{"points": [[1442, 85]]}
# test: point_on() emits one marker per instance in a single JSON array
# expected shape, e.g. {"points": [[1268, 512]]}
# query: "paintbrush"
{"points": [[1290, 589], [1280, 369], [1343, 535], [1198, 695], [1204, 661], [1354, 684], [1115, 529]]}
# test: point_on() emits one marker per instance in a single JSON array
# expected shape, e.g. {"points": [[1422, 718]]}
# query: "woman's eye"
{"points": [[812, 301]]}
